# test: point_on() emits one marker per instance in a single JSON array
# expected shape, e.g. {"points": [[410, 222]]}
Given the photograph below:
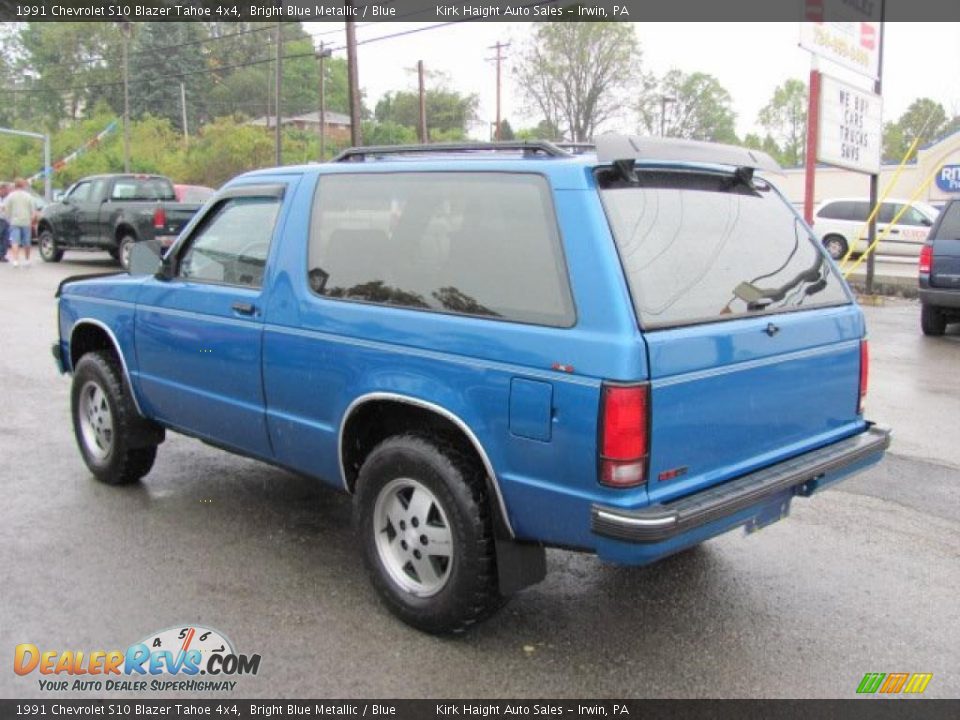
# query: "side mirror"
{"points": [[927, 222], [146, 258]]}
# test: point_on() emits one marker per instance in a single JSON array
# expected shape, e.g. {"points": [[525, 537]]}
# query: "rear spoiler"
{"points": [[625, 150]]}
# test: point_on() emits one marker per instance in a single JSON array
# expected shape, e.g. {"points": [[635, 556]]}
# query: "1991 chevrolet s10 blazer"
{"points": [[495, 348]]}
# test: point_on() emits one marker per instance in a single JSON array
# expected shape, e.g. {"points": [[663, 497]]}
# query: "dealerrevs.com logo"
{"points": [[169, 660]]}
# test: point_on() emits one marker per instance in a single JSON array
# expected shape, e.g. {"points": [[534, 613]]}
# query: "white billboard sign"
{"points": [[851, 126], [854, 44]]}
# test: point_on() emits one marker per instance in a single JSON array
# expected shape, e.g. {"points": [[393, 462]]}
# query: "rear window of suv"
{"points": [[949, 227], [482, 244], [701, 246]]}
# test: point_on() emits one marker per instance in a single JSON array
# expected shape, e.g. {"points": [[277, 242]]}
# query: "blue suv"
{"points": [[495, 348]]}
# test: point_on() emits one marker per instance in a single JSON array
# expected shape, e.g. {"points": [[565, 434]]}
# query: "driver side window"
{"points": [[232, 245]]}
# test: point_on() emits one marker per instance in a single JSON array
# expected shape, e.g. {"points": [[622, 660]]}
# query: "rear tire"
{"points": [[123, 250], [932, 321], [416, 495], [115, 442], [49, 252], [836, 246]]}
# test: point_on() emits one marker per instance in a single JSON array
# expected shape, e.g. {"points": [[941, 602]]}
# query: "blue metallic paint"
{"points": [[726, 397]]}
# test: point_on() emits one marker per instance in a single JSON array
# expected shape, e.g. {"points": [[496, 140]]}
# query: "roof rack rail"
{"points": [[527, 147], [576, 147]]}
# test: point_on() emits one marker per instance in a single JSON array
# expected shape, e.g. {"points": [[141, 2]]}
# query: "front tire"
{"points": [[836, 246], [48, 249], [932, 321], [425, 529], [108, 429]]}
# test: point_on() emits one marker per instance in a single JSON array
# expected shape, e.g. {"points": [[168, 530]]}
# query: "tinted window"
{"points": [[232, 244], [887, 212], [949, 227], [840, 210], [80, 192], [912, 216], [142, 189], [478, 244], [698, 247]]}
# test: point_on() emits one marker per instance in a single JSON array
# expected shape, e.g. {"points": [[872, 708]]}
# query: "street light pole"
{"points": [[125, 30]]}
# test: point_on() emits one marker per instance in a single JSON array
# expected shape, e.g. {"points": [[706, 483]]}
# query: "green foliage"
{"points": [[388, 133], [924, 119], [699, 108], [447, 110], [157, 71], [579, 74], [506, 132], [785, 119]]}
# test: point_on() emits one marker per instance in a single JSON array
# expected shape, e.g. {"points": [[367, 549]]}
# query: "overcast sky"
{"points": [[749, 59]]}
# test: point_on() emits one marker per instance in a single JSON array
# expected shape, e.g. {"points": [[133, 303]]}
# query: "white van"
{"points": [[839, 221]]}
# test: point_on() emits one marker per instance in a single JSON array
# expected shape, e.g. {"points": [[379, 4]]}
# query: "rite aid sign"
{"points": [[948, 179]]}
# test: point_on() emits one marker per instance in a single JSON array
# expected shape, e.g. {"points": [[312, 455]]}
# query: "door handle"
{"points": [[243, 308], [893, 231]]}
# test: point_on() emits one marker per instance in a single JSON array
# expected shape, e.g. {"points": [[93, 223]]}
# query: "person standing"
{"points": [[20, 209], [4, 223]]}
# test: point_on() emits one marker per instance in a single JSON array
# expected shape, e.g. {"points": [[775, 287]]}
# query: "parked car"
{"points": [[112, 212], [193, 193], [842, 222], [495, 348], [940, 273]]}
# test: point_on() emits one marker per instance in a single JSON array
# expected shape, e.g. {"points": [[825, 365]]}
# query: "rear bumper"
{"points": [[690, 516], [940, 298]]}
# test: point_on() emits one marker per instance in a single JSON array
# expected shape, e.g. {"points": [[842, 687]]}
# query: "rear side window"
{"points": [[841, 210], [699, 247], [949, 227], [481, 244], [142, 189]]}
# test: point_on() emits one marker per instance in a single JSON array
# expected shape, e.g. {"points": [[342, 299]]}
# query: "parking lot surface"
{"points": [[863, 578]]}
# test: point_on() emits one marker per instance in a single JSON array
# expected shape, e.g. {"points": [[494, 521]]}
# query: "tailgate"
{"points": [[945, 270], [731, 397], [177, 215], [753, 341]]}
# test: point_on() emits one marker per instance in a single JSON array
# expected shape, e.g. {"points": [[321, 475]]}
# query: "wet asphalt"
{"points": [[863, 578]]}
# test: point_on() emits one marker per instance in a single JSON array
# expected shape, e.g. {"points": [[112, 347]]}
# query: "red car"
{"points": [[193, 193]]}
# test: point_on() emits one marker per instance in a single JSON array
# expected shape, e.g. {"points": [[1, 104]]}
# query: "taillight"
{"points": [[864, 373], [159, 218], [926, 259], [624, 435]]}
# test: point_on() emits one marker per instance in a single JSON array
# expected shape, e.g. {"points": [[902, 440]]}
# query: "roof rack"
{"points": [[577, 147], [527, 147]]}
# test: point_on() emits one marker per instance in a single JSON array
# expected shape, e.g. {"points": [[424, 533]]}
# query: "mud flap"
{"points": [[519, 565]]}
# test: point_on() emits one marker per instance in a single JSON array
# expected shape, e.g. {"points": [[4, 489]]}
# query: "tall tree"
{"points": [[924, 119], [577, 75], [448, 111], [694, 106], [162, 56], [785, 118], [62, 69]]}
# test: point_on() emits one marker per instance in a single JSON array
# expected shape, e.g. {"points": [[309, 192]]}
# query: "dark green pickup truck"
{"points": [[111, 212]]}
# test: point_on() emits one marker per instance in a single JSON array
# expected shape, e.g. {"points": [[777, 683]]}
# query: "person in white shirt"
{"points": [[20, 209]]}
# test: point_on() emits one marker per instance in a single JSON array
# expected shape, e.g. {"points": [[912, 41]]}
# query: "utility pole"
{"points": [[353, 81], [813, 133], [183, 111], [422, 126], [322, 53], [276, 89], [875, 179], [499, 58], [125, 30]]}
